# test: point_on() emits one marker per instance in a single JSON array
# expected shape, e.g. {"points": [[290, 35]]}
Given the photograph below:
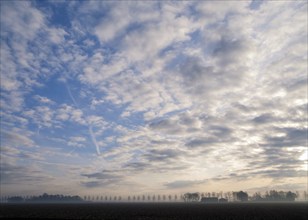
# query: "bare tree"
{"points": [[182, 197], [191, 197], [229, 194]]}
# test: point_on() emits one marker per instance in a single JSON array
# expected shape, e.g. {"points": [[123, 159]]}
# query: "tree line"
{"points": [[44, 198], [274, 195], [240, 196]]}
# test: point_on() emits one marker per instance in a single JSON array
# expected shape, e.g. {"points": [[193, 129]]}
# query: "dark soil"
{"points": [[147, 211]]}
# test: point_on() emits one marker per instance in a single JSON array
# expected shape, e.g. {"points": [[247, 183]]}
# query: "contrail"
{"points": [[94, 140], [92, 135], [70, 94]]}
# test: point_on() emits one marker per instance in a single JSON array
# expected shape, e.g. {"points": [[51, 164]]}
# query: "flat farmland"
{"points": [[140, 211]]}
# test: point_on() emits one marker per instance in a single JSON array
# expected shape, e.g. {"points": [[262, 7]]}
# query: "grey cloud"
{"points": [[162, 155], [188, 121], [201, 79], [104, 178], [279, 173], [167, 125], [274, 157], [11, 173], [275, 163], [293, 137], [184, 183], [154, 165], [278, 186], [197, 77], [104, 175], [295, 133], [215, 134], [201, 142], [161, 142], [92, 184], [297, 84], [242, 107], [264, 118], [229, 50], [136, 166], [194, 71], [220, 131], [163, 124]]}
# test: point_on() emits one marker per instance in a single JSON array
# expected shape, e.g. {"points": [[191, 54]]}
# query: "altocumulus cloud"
{"points": [[156, 96]]}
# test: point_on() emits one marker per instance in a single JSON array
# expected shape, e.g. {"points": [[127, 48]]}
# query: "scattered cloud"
{"points": [[194, 93]]}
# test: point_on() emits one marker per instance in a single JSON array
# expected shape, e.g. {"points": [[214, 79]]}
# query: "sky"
{"points": [[154, 97]]}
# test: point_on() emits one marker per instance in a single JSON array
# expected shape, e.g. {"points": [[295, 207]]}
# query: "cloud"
{"points": [[157, 88], [114, 24], [137, 166], [102, 175], [13, 173], [201, 142], [167, 125], [77, 141], [16, 139], [57, 35], [43, 100], [103, 178], [162, 155], [21, 19], [184, 183], [291, 137]]}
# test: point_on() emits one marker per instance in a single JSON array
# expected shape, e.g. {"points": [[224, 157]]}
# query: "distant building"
{"points": [[240, 196], [223, 200], [209, 199]]}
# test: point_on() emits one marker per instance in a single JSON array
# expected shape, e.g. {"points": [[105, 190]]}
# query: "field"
{"points": [[147, 211]]}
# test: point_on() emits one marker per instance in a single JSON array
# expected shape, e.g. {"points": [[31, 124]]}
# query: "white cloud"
{"points": [[56, 35], [21, 18], [66, 112], [43, 100], [14, 139], [40, 115], [77, 141], [111, 26]]}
